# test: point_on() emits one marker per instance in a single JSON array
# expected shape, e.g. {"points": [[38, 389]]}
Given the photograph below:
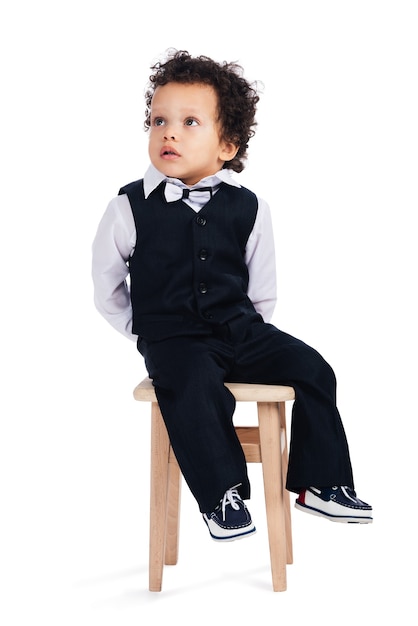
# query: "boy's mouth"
{"points": [[169, 152]]}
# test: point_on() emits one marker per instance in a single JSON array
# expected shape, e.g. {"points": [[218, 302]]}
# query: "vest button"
{"points": [[201, 220], [203, 254], [203, 288], [208, 316]]}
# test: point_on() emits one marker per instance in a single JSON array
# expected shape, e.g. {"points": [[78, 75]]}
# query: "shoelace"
{"points": [[345, 491], [230, 497]]}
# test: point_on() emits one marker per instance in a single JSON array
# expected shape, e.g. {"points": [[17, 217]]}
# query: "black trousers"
{"points": [[188, 374]]}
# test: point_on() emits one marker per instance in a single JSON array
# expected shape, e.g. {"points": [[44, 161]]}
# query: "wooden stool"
{"points": [[265, 444]]}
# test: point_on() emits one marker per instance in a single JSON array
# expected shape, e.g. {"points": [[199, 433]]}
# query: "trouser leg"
{"points": [[318, 452], [189, 374]]}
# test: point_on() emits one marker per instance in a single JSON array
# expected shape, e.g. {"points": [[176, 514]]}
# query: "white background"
{"points": [[335, 155]]}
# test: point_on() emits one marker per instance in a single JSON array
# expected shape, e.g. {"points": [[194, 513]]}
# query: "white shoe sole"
{"points": [[226, 535], [346, 519]]}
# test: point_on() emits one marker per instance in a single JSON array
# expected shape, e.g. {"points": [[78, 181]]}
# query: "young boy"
{"points": [[200, 254]]}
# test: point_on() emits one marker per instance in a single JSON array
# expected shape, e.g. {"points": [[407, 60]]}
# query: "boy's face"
{"points": [[185, 135]]}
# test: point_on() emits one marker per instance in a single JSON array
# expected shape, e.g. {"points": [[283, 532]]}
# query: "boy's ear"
{"points": [[228, 151]]}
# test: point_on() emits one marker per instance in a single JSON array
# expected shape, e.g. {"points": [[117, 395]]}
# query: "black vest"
{"points": [[188, 269]]}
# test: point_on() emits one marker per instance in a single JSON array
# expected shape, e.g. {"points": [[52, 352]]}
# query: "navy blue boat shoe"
{"points": [[338, 504], [231, 519]]}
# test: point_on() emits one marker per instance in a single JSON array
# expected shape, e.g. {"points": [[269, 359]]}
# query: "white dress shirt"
{"points": [[116, 239]]}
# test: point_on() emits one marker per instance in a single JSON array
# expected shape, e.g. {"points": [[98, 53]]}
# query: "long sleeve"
{"points": [[261, 263], [112, 247]]}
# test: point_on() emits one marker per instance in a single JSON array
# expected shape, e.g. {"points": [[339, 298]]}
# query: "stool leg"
{"points": [[158, 497], [269, 424], [286, 495], [173, 512]]}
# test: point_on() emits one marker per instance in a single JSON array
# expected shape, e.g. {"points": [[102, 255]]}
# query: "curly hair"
{"points": [[237, 98]]}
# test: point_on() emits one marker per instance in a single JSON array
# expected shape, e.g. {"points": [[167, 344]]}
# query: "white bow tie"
{"points": [[198, 196]]}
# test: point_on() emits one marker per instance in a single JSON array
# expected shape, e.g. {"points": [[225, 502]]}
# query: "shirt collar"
{"points": [[154, 177]]}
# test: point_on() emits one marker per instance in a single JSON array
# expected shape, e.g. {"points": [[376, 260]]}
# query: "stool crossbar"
{"points": [[265, 444]]}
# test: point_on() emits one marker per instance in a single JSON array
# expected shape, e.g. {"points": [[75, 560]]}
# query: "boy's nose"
{"points": [[170, 133]]}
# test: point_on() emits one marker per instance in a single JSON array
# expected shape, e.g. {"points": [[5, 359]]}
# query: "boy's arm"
{"points": [[114, 242], [261, 263]]}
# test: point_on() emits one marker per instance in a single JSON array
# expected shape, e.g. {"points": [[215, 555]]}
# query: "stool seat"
{"points": [[243, 392], [265, 444]]}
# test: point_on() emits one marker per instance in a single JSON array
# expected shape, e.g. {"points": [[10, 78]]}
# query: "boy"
{"points": [[200, 254]]}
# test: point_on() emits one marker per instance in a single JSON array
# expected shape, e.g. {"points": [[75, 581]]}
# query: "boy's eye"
{"points": [[158, 121], [191, 122]]}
